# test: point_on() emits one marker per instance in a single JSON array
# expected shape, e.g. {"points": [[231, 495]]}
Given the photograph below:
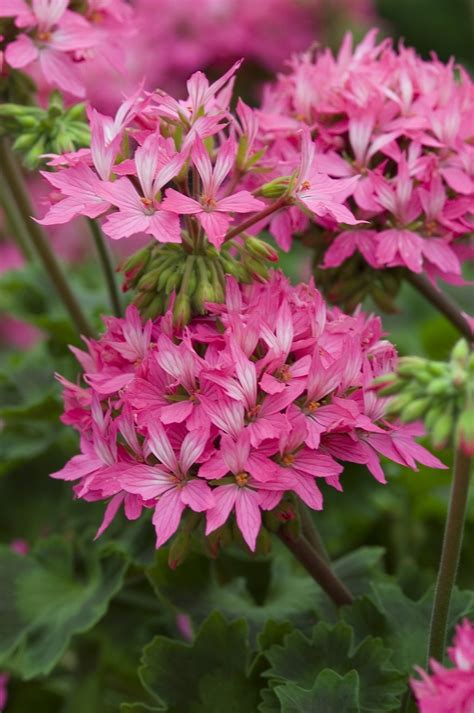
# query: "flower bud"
{"points": [[442, 429], [415, 410], [460, 352], [182, 310], [179, 549], [276, 188], [261, 249]]}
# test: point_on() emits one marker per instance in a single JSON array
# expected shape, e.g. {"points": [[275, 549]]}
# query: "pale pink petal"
{"points": [[145, 480], [165, 227], [192, 448], [240, 202], [124, 224], [160, 445], [58, 68], [179, 203], [340, 249]]}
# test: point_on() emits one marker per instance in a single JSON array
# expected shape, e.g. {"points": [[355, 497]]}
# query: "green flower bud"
{"points": [[461, 352], [415, 410], [179, 549], [182, 309], [276, 188], [442, 429], [261, 249], [440, 387]]}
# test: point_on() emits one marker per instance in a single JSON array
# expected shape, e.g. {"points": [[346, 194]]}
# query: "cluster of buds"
{"points": [[398, 130], [38, 131], [226, 422], [440, 393], [174, 277]]}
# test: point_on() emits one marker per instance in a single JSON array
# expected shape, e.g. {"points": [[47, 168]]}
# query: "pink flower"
{"points": [[449, 690], [56, 34], [211, 211], [169, 481], [268, 394], [155, 166]]}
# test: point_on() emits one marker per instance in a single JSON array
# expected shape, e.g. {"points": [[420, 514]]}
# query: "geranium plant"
{"points": [[236, 428]]}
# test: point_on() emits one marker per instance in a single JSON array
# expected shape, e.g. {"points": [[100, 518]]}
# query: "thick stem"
{"points": [[450, 553], [14, 178], [15, 222], [318, 569], [442, 303], [256, 218], [311, 532], [106, 264]]}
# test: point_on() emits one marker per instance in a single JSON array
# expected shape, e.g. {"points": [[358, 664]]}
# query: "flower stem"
{"points": [[13, 177], [318, 569], [106, 264], [15, 222], [442, 303], [257, 217], [311, 532], [450, 553]]}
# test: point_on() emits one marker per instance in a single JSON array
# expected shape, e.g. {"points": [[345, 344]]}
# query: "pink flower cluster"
{"points": [[450, 690], [52, 41], [160, 158], [398, 129], [268, 394], [167, 51]]}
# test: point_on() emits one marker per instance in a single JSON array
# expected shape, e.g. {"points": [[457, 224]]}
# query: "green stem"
{"points": [[442, 303], [15, 222], [311, 532], [318, 569], [14, 178], [106, 264], [257, 217], [450, 554]]}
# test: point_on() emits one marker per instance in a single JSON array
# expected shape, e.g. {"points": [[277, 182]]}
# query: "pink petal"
{"points": [[125, 224], [177, 412], [179, 203], [224, 497], [58, 68], [145, 480], [165, 227], [160, 445], [197, 495], [249, 516], [167, 516], [215, 225], [192, 448], [308, 491], [240, 202], [110, 512], [21, 52], [214, 468]]}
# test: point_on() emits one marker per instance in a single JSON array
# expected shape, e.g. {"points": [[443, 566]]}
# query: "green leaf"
{"points": [[49, 595], [300, 660], [331, 693], [401, 622], [209, 676]]}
